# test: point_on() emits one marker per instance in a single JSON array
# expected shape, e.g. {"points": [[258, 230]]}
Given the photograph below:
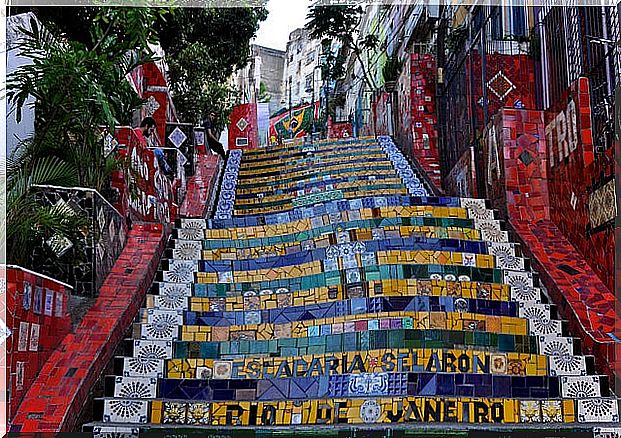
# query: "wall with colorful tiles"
{"points": [[581, 181], [37, 319], [416, 129], [339, 130], [347, 307], [144, 193], [244, 127], [86, 263]]}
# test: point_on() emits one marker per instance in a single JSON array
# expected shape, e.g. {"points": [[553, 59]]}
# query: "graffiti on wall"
{"points": [[301, 122]]}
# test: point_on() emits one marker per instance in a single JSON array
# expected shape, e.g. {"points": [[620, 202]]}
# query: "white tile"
{"points": [[598, 410], [143, 366], [567, 365], [580, 387], [157, 349], [125, 411], [135, 387]]}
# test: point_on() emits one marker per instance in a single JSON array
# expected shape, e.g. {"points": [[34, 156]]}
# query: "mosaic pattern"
{"points": [[317, 296], [415, 187], [224, 208]]}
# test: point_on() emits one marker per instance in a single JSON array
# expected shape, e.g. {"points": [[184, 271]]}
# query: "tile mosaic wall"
{"points": [[355, 308], [84, 268], [31, 333]]}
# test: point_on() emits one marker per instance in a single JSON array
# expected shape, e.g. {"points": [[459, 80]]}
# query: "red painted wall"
{"points": [[244, 116], [38, 319], [339, 130]]}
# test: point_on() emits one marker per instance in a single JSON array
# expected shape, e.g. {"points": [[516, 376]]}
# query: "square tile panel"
{"points": [[125, 411]]}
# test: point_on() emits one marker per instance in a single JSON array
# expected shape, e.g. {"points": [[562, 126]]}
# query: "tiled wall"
{"points": [[144, 193], [581, 182], [61, 388], [86, 265], [38, 319], [244, 127], [416, 129], [338, 130], [515, 164]]}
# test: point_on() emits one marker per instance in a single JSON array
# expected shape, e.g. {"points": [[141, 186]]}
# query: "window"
{"points": [[298, 89], [310, 57], [496, 20], [309, 83], [518, 27]]}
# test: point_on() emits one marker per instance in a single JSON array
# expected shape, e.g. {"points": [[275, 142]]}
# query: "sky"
{"points": [[284, 17]]}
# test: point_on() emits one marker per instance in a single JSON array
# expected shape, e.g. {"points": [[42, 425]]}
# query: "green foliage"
{"points": [[341, 23], [78, 86], [203, 47], [391, 69], [263, 97]]}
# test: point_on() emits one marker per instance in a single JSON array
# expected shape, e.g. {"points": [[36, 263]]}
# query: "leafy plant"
{"points": [[341, 23], [78, 86], [203, 47], [263, 97], [391, 69]]}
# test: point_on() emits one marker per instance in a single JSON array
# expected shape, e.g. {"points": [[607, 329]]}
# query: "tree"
{"points": [[203, 47], [341, 23], [263, 96]]}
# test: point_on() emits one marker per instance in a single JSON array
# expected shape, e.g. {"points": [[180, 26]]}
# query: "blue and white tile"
{"points": [[477, 209], [154, 315], [193, 223], [143, 367], [522, 286], [187, 250], [491, 231], [555, 345], [171, 302], [153, 349], [505, 256]]}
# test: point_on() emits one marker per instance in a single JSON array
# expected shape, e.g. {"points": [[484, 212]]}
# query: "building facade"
{"points": [[301, 80], [260, 80]]}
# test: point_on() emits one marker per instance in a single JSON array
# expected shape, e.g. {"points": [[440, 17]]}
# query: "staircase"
{"points": [[330, 291]]}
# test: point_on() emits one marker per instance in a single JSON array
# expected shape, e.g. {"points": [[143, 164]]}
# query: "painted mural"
{"points": [[300, 124]]}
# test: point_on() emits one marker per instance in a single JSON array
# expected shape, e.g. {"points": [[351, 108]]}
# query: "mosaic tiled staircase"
{"points": [[331, 289]]}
